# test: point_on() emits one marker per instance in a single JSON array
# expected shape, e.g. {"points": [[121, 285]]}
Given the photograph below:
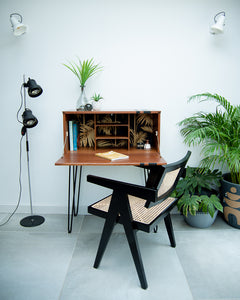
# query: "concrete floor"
{"points": [[47, 263]]}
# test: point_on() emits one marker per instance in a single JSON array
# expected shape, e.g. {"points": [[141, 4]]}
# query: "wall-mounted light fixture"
{"points": [[219, 23], [17, 26]]}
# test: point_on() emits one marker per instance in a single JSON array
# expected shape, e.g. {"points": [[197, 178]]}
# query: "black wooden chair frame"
{"points": [[119, 210]]}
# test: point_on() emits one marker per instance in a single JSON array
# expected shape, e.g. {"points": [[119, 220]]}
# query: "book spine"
{"points": [[70, 129], [75, 136]]}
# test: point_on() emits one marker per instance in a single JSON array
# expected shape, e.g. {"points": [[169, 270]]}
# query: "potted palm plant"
{"points": [[197, 192], [83, 70], [218, 134]]}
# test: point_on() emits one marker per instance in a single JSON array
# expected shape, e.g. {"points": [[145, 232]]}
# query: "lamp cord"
{"points": [[20, 183], [28, 168], [20, 104], [20, 161]]}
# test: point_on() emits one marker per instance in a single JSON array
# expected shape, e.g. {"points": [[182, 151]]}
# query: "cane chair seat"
{"points": [[143, 218]]}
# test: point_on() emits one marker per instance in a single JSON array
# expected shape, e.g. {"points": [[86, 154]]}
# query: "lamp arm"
{"points": [[221, 12], [16, 14]]}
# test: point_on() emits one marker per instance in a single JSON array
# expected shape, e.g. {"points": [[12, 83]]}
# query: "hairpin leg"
{"points": [[73, 190]]}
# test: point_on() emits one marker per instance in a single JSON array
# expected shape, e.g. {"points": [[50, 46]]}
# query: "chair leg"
{"points": [[107, 231], [134, 247], [169, 227]]}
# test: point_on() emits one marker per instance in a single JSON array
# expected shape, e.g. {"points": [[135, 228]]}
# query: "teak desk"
{"points": [[103, 131]]}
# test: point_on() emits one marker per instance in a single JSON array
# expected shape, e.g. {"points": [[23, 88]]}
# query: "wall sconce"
{"points": [[219, 23], [17, 26]]}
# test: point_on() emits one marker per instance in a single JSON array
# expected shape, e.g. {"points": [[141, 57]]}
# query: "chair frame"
{"points": [[120, 212]]}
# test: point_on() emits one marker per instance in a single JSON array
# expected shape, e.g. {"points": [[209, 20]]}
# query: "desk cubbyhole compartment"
{"points": [[112, 143], [86, 131], [143, 128], [112, 118], [112, 130]]}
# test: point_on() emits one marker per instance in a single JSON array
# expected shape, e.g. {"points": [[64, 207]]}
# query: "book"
{"points": [[70, 130], [112, 155], [75, 135]]}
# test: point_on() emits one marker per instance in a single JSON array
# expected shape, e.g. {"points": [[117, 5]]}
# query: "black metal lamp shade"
{"points": [[29, 120], [34, 90]]}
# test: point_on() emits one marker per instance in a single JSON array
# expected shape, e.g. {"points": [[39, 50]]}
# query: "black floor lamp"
{"points": [[30, 121]]}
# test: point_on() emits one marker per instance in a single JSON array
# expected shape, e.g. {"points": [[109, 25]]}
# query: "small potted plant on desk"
{"points": [[198, 200], [218, 134], [96, 101]]}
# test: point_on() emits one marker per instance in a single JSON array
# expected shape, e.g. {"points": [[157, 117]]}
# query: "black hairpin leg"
{"points": [[74, 185]]}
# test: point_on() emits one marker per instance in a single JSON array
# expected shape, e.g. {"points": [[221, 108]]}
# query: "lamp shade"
{"points": [[34, 90], [218, 26], [18, 27], [29, 120]]}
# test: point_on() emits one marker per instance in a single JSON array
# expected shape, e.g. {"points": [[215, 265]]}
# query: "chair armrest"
{"points": [[128, 188]]}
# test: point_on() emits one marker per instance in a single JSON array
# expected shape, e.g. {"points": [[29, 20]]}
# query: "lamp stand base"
{"points": [[32, 221]]}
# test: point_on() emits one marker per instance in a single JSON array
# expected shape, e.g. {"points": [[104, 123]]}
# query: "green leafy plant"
{"points": [[96, 97], [217, 133], [192, 191], [84, 69]]}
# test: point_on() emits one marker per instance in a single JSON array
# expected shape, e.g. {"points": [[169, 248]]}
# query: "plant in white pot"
{"points": [[218, 134], [96, 101], [83, 70], [197, 192]]}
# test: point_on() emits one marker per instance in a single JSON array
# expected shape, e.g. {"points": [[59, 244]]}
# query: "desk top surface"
{"points": [[89, 158]]}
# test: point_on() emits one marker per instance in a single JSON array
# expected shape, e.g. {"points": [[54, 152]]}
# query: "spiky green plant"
{"points": [[217, 133], [96, 97], [83, 69]]}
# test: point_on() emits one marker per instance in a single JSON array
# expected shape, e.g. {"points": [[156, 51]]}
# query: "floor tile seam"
{"points": [[38, 232], [216, 298], [204, 229], [81, 223], [184, 273], [68, 268]]}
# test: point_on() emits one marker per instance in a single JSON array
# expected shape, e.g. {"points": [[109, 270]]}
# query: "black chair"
{"points": [[138, 208]]}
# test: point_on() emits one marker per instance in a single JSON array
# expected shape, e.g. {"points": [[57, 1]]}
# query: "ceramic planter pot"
{"points": [[230, 196], [201, 219], [97, 105]]}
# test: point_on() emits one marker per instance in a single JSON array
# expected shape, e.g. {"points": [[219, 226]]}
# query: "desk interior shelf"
{"points": [[96, 131]]}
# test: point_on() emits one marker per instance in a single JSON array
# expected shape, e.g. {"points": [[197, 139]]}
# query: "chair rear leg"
{"points": [[169, 227]]}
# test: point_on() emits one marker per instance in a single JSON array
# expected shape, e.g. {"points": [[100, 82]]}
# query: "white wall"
{"points": [[155, 55]]}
